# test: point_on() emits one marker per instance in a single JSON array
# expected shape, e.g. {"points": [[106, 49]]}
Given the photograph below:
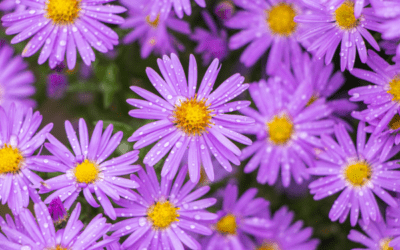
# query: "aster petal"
{"points": [[105, 203], [206, 159], [194, 227], [135, 236], [208, 80], [170, 167], [48, 46], [255, 50], [340, 204], [38, 40]]}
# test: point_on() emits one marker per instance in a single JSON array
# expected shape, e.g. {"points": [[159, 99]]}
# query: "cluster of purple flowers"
{"points": [[298, 128]]}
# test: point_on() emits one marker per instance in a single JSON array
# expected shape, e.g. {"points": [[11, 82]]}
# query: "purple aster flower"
{"points": [[265, 24], [88, 170], [57, 85], [153, 35], [379, 236], [57, 211], [16, 83], [390, 135], [11, 5], [393, 223], [359, 5], [391, 47], [211, 44], [357, 173], [164, 7], [62, 26], [187, 120], [18, 142], [334, 23], [390, 10], [286, 236], [238, 220], [28, 233], [324, 81], [287, 131], [165, 214], [386, 8], [225, 9], [382, 98]]}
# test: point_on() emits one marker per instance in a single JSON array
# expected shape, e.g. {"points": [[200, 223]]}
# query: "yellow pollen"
{"points": [[394, 90], [358, 173], [384, 244], [227, 224], [280, 19], [154, 23], [269, 246], [313, 98], [395, 122], [10, 159], [58, 247], [86, 172], [162, 214], [153, 41], [63, 12], [344, 16], [192, 116], [280, 129]]}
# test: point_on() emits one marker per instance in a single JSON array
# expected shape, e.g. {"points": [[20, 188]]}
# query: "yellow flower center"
{"points": [[58, 247], [86, 172], [280, 19], [154, 23], [395, 122], [227, 224], [162, 214], [313, 98], [358, 174], [10, 160], [280, 129], [384, 244], [192, 116], [63, 12], [344, 16], [394, 90], [269, 246], [152, 41]]}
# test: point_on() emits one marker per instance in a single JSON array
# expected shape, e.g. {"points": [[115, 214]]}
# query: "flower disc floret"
{"points": [[153, 23], [384, 244], [358, 174], [280, 19], [344, 16], [227, 224], [192, 116], [10, 159], [280, 129], [313, 98], [86, 172], [394, 89], [63, 12], [162, 214], [395, 122], [58, 247], [269, 246]]}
